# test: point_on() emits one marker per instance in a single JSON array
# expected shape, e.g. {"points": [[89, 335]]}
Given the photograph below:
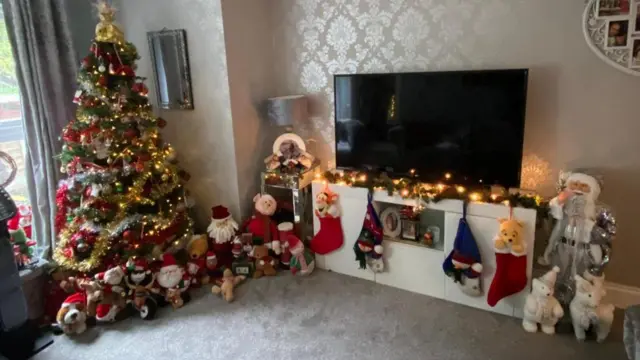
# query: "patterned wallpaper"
{"points": [[322, 38]]}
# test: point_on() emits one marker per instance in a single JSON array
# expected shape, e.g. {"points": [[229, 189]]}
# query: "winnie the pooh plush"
{"points": [[196, 267], [265, 264], [510, 236], [229, 282]]}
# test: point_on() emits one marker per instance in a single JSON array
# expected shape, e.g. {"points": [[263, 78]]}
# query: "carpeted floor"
{"points": [[325, 316]]}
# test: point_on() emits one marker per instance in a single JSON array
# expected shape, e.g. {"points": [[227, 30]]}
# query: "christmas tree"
{"points": [[124, 193]]}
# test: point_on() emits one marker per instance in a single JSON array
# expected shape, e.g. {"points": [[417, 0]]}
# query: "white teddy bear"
{"points": [[541, 307], [586, 309]]}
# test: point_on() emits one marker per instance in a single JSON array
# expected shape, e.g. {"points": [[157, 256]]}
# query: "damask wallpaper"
{"points": [[322, 38]]}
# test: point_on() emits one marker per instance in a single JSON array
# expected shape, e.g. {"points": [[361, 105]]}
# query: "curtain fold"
{"points": [[45, 68]]}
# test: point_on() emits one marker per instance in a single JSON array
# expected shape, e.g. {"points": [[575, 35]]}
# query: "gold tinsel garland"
{"points": [[101, 245]]}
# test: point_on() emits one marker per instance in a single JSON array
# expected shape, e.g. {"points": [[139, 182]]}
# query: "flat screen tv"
{"points": [[469, 124]]}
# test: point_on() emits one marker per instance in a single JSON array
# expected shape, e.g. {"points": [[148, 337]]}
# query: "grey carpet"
{"points": [[325, 316]]}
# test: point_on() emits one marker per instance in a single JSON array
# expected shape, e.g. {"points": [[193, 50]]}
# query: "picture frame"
{"points": [[614, 8], [617, 34], [634, 59], [410, 229], [636, 19], [391, 222]]}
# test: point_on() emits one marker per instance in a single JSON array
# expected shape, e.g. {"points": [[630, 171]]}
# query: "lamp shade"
{"points": [[287, 110]]}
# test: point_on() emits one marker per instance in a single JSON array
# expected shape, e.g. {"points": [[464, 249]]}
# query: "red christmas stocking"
{"points": [[510, 277], [330, 237]]}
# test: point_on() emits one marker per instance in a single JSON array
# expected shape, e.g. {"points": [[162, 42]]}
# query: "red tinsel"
{"points": [[70, 135], [62, 202]]}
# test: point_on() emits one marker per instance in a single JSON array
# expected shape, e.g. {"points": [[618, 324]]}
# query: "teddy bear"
{"points": [[229, 282], [586, 308], [541, 307], [197, 248], [263, 228], [113, 293], [510, 236], [265, 264]]}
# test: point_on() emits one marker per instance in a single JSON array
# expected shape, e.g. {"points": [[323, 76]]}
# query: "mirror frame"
{"points": [[180, 37]]}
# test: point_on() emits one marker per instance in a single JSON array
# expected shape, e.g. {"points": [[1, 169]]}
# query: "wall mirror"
{"points": [[168, 49]]}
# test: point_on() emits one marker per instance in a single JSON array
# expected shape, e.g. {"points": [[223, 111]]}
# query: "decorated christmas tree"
{"points": [[123, 195]]}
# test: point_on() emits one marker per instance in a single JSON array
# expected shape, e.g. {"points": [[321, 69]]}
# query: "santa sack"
{"points": [[464, 264]]}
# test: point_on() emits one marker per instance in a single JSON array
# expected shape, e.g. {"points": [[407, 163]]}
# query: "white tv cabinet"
{"points": [[417, 268]]}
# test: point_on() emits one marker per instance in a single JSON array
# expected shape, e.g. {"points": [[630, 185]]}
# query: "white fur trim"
{"points": [[261, 262], [555, 209], [586, 179], [477, 267], [285, 226], [378, 249]]}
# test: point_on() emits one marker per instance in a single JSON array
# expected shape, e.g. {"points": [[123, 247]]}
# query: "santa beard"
{"points": [[222, 231], [170, 276], [581, 205]]}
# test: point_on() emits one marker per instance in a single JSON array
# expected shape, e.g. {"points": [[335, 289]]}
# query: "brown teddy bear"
{"points": [[510, 236], [197, 264], [229, 282], [265, 264]]}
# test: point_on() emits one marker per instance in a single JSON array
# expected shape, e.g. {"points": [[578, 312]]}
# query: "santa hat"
{"points": [[550, 277], [100, 276], [211, 255], [77, 298], [140, 264], [236, 248], [168, 260], [220, 213]]}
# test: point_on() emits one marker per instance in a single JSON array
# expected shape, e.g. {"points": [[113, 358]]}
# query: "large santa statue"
{"points": [[581, 238], [221, 231]]}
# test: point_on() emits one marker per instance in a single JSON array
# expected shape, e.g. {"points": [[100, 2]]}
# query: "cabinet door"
{"points": [[413, 268], [484, 230], [353, 203]]}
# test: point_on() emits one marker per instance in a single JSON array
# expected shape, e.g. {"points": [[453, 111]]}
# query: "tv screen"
{"points": [[469, 124]]}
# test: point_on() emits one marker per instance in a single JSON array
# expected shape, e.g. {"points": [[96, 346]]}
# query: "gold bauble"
{"points": [[165, 177]]}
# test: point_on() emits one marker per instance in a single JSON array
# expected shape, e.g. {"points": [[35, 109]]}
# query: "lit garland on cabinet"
{"points": [[411, 188]]}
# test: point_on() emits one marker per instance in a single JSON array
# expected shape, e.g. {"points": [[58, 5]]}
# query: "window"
{"points": [[11, 134]]}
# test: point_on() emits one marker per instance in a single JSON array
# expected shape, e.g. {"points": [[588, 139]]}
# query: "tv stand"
{"points": [[418, 268]]}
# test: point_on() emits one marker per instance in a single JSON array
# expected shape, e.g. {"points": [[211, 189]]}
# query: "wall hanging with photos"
{"points": [[612, 30]]}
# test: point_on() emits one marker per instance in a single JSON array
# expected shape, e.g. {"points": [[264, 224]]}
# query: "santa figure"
{"points": [[174, 280], [581, 238], [112, 282], [221, 231]]}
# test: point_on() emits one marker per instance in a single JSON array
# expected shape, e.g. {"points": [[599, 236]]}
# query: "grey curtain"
{"points": [[45, 67]]}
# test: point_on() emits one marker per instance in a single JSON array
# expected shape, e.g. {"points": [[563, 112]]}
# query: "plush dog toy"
{"points": [[510, 236], [72, 315], [229, 282]]}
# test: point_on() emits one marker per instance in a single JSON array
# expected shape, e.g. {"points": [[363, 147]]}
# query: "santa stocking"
{"points": [[510, 277], [511, 259], [330, 237]]}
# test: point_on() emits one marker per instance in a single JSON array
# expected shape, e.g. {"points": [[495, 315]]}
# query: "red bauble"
{"points": [[131, 133], [161, 123], [87, 191], [86, 62], [139, 166], [70, 135], [129, 235], [144, 156], [102, 80]]}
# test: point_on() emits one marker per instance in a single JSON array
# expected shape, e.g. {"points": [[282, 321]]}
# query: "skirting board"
{"points": [[622, 296]]}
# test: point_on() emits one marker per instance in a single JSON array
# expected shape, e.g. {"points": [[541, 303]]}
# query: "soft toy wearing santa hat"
{"points": [[72, 315], [22, 220], [301, 260], [175, 281], [264, 230], [113, 300], [221, 231], [196, 266]]}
